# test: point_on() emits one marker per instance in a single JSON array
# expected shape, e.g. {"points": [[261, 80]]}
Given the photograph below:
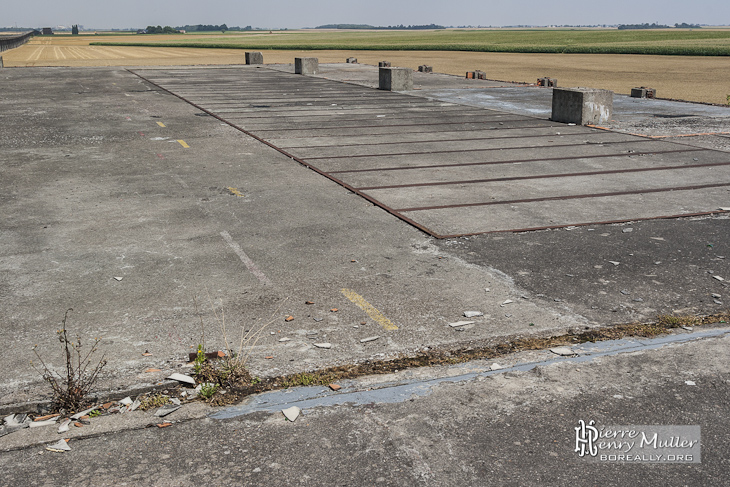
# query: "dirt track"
{"points": [[702, 79]]}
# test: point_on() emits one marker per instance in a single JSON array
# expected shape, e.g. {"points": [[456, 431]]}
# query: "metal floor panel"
{"points": [[453, 170]]}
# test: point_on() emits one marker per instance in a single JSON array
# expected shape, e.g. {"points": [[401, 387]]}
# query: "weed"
{"points": [[728, 99], [153, 401], [207, 390], [94, 413], [70, 391]]}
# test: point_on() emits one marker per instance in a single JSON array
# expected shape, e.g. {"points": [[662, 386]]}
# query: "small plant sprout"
{"points": [[70, 390]]}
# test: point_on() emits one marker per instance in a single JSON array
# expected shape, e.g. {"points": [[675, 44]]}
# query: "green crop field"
{"points": [[678, 42]]}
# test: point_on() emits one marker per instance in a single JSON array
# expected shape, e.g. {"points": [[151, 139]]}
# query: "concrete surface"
{"points": [[504, 428], [105, 176]]}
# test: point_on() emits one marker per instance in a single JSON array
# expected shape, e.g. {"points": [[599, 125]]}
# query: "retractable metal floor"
{"points": [[453, 170]]}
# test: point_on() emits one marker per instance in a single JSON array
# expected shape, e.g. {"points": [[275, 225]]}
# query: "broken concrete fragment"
{"points": [[369, 339], [472, 314], [495, 366], [163, 411], [284, 339], [63, 427], [323, 345], [60, 446], [627, 230], [506, 302], [185, 379], [716, 296], [38, 424], [137, 403], [291, 413], [83, 413], [718, 278], [126, 401], [461, 323], [118, 278], [563, 351], [690, 383], [614, 262]]}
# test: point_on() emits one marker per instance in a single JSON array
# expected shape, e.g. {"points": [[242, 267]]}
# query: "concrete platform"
{"points": [[499, 172], [124, 180]]}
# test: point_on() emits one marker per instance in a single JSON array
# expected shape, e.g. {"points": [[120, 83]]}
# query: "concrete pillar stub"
{"points": [[582, 106], [424, 68], [352, 60], [306, 65], [254, 58], [1, 62], [395, 79]]}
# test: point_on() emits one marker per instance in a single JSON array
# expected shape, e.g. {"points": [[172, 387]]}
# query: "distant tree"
{"points": [[75, 30]]}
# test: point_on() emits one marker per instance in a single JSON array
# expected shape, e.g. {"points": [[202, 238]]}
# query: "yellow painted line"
{"points": [[372, 312], [160, 124], [182, 143], [234, 191]]}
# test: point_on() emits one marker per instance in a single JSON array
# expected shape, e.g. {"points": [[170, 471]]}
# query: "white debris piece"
{"points": [[118, 278], [126, 401], [284, 339], [369, 339], [473, 314], [563, 351], [718, 278], [506, 303], [461, 323], [690, 383], [323, 345], [63, 427], [59, 446], [495, 366], [614, 262], [291, 413], [38, 424], [186, 379], [82, 413]]}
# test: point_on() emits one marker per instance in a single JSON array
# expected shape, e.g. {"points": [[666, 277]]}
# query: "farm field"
{"points": [[692, 78]]}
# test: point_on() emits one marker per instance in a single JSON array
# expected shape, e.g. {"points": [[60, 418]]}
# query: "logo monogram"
{"points": [[585, 437]]}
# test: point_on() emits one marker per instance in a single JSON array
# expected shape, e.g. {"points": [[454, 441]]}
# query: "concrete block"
{"points": [[547, 82], [384, 64], [395, 79], [471, 75], [1, 62], [480, 74], [254, 58], [352, 60], [643, 92], [425, 69], [306, 65], [582, 106]]}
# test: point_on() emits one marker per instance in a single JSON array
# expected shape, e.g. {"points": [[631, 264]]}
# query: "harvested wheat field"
{"points": [[692, 78]]}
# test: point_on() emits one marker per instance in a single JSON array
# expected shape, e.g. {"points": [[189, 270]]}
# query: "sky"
{"points": [[291, 14]]}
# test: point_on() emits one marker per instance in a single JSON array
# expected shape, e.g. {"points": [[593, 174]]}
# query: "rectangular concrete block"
{"points": [[384, 64], [643, 92], [480, 74], [306, 65], [425, 68], [582, 106], [471, 75], [352, 60], [395, 79], [547, 82], [254, 58], [1, 61]]}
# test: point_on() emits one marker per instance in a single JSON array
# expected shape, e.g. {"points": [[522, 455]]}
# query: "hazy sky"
{"points": [[311, 13]]}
